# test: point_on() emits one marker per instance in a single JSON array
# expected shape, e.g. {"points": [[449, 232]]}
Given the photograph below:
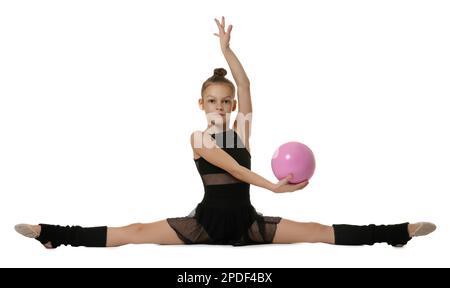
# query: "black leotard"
{"points": [[225, 215]]}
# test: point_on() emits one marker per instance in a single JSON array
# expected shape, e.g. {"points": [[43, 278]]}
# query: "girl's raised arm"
{"points": [[243, 121]]}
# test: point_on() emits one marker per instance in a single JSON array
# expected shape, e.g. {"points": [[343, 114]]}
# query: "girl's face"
{"points": [[218, 102]]}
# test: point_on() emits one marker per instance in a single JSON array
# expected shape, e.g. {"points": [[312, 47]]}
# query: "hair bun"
{"points": [[220, 72]]}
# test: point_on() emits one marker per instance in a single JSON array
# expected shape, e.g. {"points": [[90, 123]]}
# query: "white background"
{"points": [[98, 100]]}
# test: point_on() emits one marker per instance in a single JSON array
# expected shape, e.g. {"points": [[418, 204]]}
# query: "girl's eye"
{"points": [[211, 101], [227, 101]]}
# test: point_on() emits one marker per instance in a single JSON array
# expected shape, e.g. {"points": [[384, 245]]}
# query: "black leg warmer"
{"points": [[395, 235], [74, 235]]}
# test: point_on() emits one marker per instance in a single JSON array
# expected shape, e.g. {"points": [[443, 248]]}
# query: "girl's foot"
{"points": [[420, 229], [31, 231]]}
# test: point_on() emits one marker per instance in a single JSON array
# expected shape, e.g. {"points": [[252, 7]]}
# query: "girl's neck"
{"points": [[215, 129]]}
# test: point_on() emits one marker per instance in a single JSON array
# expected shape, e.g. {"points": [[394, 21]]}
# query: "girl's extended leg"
{"points": [[289, 231], [51, 236]]}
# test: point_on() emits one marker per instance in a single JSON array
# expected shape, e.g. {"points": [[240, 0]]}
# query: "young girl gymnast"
{"points": [[225, 215]]}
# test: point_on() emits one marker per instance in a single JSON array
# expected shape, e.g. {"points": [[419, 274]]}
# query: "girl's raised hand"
{"points": [[224, 36]]}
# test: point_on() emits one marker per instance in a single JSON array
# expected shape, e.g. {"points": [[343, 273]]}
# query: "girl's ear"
{"points": [[200, 103], [234, 105]]}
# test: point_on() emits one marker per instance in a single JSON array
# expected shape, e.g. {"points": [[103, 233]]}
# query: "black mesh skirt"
{"points": [[237, 227]]}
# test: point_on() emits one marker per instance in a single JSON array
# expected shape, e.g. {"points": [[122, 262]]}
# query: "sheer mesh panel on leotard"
{"points": [[219, 179]]}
